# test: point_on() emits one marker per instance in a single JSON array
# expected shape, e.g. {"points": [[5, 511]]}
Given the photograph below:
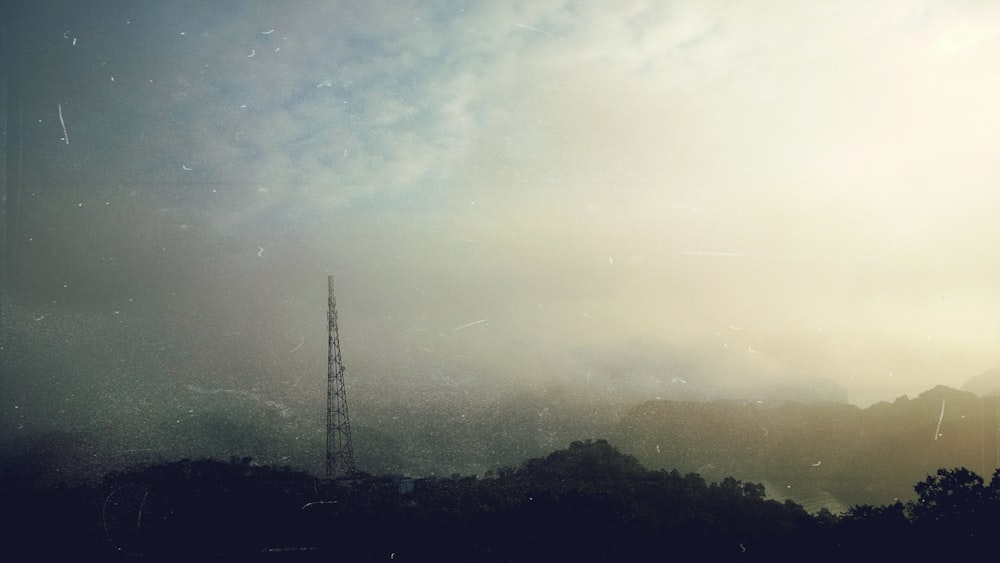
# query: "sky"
{"points": [[620, 200]]}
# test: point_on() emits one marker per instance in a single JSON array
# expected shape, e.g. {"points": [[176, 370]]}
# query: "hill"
{"points": [[834, 453], [984, 384], [588, 502]]}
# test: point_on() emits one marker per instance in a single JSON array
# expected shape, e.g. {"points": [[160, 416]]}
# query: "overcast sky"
{"points": [[612, 198]]}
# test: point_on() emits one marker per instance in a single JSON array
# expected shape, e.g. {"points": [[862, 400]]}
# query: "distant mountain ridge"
{"points": [[820, 451], [984, 384], [817, 454]]}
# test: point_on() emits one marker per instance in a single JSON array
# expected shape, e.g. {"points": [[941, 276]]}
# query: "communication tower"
{"points": [[339, 450]]}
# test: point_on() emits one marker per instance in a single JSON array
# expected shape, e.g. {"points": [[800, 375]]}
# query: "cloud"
{"points": [[610, 185]]}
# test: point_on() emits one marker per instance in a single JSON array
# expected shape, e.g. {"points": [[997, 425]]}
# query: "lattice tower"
{"points": [[339, 449]]}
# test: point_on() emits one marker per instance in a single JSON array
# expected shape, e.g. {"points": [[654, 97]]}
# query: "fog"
{"points": [[580, 200]]}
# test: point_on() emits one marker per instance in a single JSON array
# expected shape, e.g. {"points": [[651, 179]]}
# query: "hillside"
{"points": [[588, 502], [834, 454]]}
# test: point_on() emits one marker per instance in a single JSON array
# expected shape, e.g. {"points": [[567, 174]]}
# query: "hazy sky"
{"points": [[611, 198]]}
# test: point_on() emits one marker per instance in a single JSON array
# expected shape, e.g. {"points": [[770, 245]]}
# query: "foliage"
{"points": [[954, 515], [588, 502]]}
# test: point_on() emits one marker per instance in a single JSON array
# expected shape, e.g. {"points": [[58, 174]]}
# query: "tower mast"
{"points": [[339, 450]]}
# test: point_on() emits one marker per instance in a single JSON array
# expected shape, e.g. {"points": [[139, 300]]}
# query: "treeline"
{"points": [[588, 502]]}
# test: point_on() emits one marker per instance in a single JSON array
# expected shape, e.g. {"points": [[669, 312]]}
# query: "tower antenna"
{"points": [[339, 450]]}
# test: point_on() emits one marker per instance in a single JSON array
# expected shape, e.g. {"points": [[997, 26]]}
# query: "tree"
{"points": [[951, 494], [959, 512]]}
